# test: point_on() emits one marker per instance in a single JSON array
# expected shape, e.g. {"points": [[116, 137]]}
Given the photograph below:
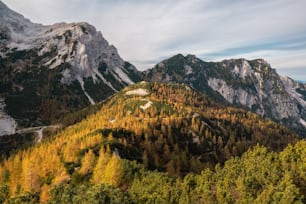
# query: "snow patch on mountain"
{"points": [[147, 105], [139, 92], [7, 124]]}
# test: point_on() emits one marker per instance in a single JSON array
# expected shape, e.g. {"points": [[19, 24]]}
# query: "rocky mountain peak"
{"points": [[66, 65], [78, 44]]}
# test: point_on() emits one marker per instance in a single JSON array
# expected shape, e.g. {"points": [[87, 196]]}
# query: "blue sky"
{"points": [[146, 32]]}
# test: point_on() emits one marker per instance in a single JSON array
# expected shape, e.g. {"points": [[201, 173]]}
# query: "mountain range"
{"points": [[50, 71], [78, 124]]}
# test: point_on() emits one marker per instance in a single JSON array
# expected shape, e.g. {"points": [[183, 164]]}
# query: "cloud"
{"points": [[147, 31]]}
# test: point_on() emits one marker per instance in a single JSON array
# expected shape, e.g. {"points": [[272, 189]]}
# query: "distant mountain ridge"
{"points": [[49, 70], [250, 84]]}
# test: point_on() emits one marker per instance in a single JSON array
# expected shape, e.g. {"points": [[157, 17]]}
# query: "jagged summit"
{"points": [[78, 44], [66, 65]]}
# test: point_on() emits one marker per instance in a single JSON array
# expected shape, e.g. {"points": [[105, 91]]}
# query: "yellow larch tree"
{"points": [[30, 178], [113, 171], [87, 163], [45, 194], [15, 169], [70, 151], [98, 172], [1, 174]]}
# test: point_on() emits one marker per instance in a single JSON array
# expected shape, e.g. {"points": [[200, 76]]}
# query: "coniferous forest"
{"points": [[159, 143]]}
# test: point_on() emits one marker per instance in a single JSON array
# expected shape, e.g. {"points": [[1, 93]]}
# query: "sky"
{"points": [[148, 31]]}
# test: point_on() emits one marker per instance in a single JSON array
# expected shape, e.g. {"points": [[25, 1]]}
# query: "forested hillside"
{"points": [[111, 155], [259, 176]]}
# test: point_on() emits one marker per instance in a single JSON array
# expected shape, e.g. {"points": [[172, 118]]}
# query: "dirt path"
{"points": [[39, 130]]}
